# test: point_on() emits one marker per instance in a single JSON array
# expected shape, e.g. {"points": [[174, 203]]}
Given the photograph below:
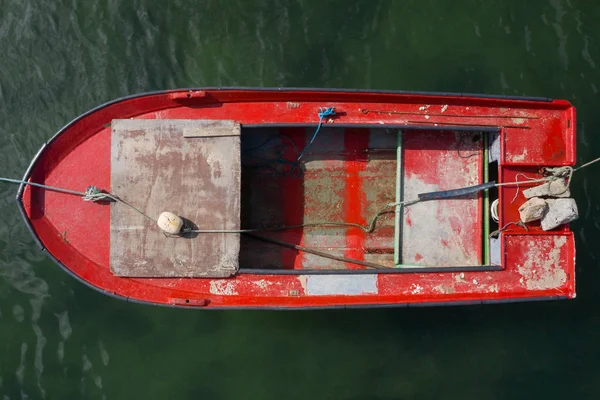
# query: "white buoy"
{"points": [[170, 223]]}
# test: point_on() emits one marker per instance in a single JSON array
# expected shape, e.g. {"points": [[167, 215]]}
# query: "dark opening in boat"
{"points": [[347, 176]]}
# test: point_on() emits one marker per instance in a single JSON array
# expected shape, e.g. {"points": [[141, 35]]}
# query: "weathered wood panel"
{"points": [[187, 167], [208, 128]]}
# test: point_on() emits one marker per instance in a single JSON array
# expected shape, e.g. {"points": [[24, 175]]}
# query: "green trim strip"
{"points": [[399, 195], [486, 202]]}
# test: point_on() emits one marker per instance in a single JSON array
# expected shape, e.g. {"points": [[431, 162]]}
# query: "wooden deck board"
{"points": [[189, 168]]}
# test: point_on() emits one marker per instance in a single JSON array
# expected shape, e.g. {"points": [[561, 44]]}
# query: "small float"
{"points": [[236, 198]]}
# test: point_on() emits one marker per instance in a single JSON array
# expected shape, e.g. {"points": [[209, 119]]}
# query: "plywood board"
{"points": [[188, 167]]}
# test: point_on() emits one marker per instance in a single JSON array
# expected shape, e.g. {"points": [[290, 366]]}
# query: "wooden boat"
{"points": [[278, 216]]}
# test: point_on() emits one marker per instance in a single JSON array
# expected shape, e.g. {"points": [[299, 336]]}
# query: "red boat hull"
{"points": [[534, 133]]}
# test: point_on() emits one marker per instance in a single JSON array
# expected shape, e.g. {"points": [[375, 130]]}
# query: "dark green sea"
{"points": [[62, 340]]}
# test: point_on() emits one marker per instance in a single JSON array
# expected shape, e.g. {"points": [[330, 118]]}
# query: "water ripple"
{"points": [[18, 312], [562, 36], [36, 306], [103, 354], [20, 372], [63, 325]]}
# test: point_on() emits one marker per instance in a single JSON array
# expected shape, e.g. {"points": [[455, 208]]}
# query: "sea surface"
{"points": [[62, 340]]}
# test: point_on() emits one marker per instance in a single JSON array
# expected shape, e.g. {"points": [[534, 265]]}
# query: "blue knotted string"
{"points": [[295, 169], [325, 112]]}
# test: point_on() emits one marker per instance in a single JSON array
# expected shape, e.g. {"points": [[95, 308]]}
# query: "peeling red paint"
{"points": [[354, 198]]}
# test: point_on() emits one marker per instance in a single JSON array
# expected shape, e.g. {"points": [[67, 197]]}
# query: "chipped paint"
{"points": [[541, 268], [440, 233], [445, 288], [262, 283], [324, 285], [519, 157], [429, 237], [416, 288], [223, 287], [468, 285], [444, 107], [495, 288]]}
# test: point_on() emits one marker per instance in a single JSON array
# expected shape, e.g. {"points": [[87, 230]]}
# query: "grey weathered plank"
{"points": [[156, 168], [206, 128]]}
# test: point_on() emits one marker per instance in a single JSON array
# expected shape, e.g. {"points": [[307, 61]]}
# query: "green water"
{"points": [[61, 340]]}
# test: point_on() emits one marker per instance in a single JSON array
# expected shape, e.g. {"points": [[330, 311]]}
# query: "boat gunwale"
{"points": [[303, 308]]}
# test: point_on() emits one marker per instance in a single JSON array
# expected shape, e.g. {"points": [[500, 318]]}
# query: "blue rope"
{"points": [[295, 169], [325, 112]]}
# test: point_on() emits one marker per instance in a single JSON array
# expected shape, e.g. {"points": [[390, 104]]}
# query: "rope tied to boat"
{"points": [[324, 113], [295, 169], [494, 211], [554, 174], [92, 193], [365, 228], [497, 232]]}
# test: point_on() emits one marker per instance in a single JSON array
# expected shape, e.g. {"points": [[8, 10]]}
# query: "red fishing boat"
{"points": [[306, 198]]}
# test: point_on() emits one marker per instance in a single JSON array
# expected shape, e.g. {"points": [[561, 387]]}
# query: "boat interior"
{"points": [[350, 175], [328, 198]]}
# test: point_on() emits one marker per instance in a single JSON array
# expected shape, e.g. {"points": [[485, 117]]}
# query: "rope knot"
{"points": [[326, 112], [92, 193]]}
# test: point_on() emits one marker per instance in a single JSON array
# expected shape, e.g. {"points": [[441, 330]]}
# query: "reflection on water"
{"points": [[61, 58]]}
